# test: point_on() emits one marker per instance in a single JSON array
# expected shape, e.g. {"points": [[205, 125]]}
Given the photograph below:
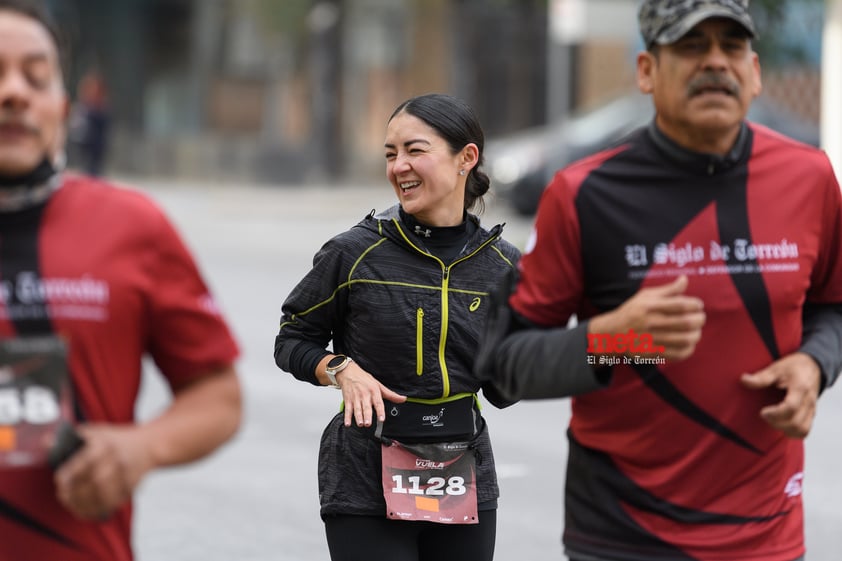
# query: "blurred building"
{"points": [[286, 91]]}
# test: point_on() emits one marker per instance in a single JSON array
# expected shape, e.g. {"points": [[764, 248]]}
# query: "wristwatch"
{"points": [[336, 365]]}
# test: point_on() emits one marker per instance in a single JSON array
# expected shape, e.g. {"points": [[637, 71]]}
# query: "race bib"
{"points": [[35, 399], [433, 482]]}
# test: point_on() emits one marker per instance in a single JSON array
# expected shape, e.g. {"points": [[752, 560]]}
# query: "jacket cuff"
{"points": [[547, 363]]}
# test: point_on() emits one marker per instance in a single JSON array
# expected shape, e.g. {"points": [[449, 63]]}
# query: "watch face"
{"points": [[336, 361]]}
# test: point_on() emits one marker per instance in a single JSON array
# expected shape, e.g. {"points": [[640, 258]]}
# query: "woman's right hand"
{"points": [[363, 393]]}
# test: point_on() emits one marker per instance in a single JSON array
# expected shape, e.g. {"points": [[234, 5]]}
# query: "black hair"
{"points": [[458, 125], [38, 11]]}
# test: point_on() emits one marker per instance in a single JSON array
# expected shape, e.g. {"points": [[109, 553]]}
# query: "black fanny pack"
{"points": [[412, 421]]}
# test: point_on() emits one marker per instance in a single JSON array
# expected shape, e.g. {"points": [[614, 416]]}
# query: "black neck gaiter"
{"points": [[37, 176], [22, 191]]}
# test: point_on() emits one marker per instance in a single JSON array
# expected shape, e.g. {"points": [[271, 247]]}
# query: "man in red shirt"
{"points": [[92, 279], [702, 257]]}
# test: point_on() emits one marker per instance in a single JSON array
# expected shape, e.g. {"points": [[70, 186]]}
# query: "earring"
{"points": [[461, 172]]}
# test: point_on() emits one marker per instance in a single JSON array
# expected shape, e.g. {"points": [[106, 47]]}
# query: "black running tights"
{"points": [[376, 538]]}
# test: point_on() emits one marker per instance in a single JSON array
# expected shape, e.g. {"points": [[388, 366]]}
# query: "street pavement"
{"points": [[256, 499]]}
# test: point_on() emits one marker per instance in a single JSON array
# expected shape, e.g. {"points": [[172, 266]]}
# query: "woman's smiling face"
{"points": [[424, 171]]}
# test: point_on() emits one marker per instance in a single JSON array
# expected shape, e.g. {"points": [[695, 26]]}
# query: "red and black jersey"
{"points": [[672, 461], [103, 268]]}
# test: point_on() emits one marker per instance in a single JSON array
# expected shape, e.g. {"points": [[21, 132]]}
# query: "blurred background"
{"points": [[290, 91], [258, 125]]}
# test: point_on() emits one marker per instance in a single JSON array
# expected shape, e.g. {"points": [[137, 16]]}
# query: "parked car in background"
{"points": [[521, 164]]}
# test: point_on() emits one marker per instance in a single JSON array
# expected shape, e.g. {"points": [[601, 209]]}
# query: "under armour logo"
{"points": [[419, 231]]}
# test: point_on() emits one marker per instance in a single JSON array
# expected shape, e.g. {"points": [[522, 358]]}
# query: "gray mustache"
{"points": [[712, 81]]}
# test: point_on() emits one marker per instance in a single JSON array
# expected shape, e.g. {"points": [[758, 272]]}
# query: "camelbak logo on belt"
{"points": [[434, 420]]}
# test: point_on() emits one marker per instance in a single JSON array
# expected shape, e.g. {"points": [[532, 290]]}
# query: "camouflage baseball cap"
{"points": [[665, 21]]}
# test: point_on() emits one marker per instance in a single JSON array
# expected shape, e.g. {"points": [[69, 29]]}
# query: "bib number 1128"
{"points": [[435, 486]]}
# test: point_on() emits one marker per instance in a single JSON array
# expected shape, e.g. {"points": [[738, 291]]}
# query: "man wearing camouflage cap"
{"points": [[663, 23], [702, 258]]}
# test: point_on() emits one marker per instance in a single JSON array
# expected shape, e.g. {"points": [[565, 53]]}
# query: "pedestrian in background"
{"points": [[90, 121], [93, 278], [702, 257], [406, 471]]}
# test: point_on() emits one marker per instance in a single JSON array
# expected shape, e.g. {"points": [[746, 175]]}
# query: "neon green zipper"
{"points": [[419, 341]]}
